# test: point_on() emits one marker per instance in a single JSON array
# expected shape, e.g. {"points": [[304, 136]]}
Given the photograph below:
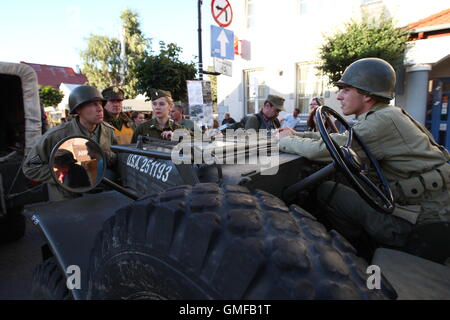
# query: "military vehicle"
{"points": [[219, 230], [20, 126]]}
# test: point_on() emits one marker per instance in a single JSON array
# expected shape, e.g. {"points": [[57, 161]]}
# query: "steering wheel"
{"points": [[348, 161]]}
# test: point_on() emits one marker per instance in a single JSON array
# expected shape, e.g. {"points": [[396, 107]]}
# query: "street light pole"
{"points": [[200, 54]]}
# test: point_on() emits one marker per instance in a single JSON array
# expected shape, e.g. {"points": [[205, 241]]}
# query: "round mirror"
{"points": [[77, 164]]}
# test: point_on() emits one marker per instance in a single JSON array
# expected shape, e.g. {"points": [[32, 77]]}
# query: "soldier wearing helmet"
{"points": [[415, 166], [86, 104]]}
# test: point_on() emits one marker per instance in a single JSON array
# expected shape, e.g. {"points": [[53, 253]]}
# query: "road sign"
{"points": [[222, 43], [222, 12], [223, 66]]}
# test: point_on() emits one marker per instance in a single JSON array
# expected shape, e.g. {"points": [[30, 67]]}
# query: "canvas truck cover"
{"points": [[32, 110]]}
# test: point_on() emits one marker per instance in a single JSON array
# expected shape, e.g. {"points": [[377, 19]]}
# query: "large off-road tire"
{"points": [[205, 242], [12, 226], [48, 282]]}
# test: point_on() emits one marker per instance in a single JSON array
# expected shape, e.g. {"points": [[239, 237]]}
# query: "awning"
{"points": [[137, 104]]}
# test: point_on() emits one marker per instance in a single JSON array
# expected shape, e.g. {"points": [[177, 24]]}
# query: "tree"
{"points": [[137, 47], [102, 61], [369, 38], [50, 96], [165, 71], [213, 80]]}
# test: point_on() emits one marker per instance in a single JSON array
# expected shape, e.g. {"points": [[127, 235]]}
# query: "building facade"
{"points": [[280, 42]]}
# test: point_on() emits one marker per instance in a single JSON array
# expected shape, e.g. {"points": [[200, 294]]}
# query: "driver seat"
{"points": [[430, 241]]}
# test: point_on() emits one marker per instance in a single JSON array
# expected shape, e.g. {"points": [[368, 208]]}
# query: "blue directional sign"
{"points": [[222, 43]]}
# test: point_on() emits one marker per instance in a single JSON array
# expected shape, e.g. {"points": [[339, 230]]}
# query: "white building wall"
{"points": [[66, 88], [282, 37]]}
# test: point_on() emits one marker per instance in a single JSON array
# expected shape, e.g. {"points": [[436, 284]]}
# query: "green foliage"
{"points": [[137, 47], [213, 80], [369, 38], [101, 59], [165, 71], [50, 96]]}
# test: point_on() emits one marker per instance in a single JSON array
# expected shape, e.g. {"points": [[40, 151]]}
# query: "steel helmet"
{"points": [[372, 75], [84, 94]]}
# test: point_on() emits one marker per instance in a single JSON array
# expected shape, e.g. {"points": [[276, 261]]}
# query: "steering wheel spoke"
{"points": [[373, 187], [347, 160]]}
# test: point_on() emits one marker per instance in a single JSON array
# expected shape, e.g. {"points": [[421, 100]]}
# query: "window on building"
{"points": [[250, 12], [256, 90], [310, 83]]}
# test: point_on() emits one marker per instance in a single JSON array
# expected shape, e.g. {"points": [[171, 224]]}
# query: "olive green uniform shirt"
{"points": [[415, 166], [152, 129], [36, 165], [118, 122]]}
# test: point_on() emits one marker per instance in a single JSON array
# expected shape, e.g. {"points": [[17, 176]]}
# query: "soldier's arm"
{"points": [[114, 139], [36, 166], [111, 155], [372, 133], [308, 134], [252, 123], [312, 149]]}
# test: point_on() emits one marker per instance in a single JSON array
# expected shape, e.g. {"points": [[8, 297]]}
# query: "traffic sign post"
{"points": [[222, 12], [200, 54], [222, 43]]}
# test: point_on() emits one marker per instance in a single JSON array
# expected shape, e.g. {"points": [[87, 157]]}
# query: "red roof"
{"points": [[439, 18], [55, 75]]}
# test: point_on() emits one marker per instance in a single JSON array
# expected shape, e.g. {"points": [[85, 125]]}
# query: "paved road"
{"points": [[17, 261]]}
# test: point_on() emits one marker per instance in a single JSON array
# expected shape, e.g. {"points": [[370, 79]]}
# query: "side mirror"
{"points": [[77, 164]]}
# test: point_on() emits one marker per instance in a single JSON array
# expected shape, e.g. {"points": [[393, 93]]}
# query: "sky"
{"points": [[54, 32]]}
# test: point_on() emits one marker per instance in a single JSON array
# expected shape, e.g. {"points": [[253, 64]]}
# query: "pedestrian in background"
{"points": [[177, 115], [291, 120], [138, 118], [311, 123], [228, 119], [267, 117]]}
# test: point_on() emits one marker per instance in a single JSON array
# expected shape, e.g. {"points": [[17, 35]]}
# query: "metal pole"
{"points": [[308, 181], [200, 55], [119, 188]]}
